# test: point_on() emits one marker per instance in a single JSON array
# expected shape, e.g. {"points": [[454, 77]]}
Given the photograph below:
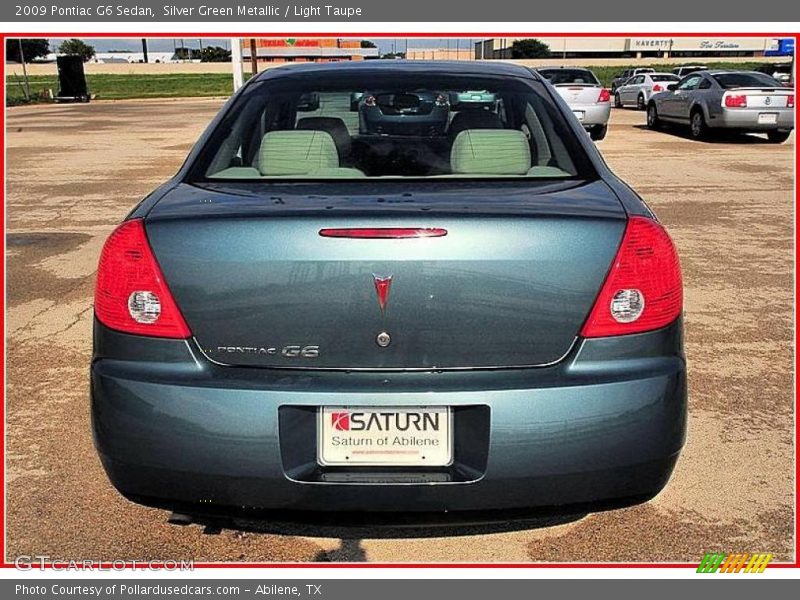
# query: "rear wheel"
{"points": [[697, 125], [778, 137], [640, 102], [652, 117], [617, 101], [598, 132]]}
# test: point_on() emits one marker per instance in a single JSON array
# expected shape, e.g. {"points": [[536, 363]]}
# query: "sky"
{"points": [[166, 44]]}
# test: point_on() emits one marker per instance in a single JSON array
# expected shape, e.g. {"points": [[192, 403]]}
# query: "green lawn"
{"points": [[119, 87]]}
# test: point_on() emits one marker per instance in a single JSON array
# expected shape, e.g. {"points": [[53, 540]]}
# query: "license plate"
{"points": [[767, 118], [580, 114], [385, 436]]}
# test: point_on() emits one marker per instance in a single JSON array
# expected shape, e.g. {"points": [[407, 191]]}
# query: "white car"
{"points": [[637, 90], [684, 70], [585, 95]]}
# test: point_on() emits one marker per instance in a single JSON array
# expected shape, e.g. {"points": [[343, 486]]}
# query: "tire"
{"points": [[617, 101], [697, 125], [598, 132], [640, 103], [653, 122], [778, 137]]}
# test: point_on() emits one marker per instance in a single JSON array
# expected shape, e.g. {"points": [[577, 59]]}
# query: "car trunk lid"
{"points": [[499, 288]]}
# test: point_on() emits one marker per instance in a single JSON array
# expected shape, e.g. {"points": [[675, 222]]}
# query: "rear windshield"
{"points": [[736, 80], [574, 76], [664, 78], [372, 124]]}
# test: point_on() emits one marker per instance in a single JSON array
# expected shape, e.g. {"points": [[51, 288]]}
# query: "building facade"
{"points": [[269, 50], [639, 47]]}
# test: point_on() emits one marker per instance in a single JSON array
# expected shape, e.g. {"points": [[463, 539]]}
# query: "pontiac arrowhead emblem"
{"points": [[382, 285]]}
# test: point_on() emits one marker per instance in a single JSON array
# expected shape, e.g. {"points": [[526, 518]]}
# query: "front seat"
{"points": [[333, 126], [473, 119]]}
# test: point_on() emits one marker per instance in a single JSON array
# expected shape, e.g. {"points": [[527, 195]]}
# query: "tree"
{"points": [[184, 53], [76, 47], [215, 54], [367, 44], [529, 49], [33, 49]]}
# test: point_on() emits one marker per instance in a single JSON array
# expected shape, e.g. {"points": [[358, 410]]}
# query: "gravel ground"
{"points": [[75, 171]]}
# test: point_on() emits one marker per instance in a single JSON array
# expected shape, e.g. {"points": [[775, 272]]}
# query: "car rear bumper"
{"points": [[604, 425], [593, 114], [747, 119]]}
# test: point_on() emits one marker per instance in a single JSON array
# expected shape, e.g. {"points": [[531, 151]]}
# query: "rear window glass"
{"points": [[735, 80], [566, 76], [357, 125], [664, 78]]}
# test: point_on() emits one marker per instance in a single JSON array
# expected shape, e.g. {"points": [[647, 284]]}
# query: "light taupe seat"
{"points": [[490, 152]]}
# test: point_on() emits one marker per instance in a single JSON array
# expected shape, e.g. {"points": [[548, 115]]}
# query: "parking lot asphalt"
{"points": [[73, 172]]}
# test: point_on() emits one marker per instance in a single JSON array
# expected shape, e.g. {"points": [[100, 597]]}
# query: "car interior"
{"points": [[320, 135]]}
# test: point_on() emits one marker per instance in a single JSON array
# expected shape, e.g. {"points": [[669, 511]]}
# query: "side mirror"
{"points": [[672, 86]]}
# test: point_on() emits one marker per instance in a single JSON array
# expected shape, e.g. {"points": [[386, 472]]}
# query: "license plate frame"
{"points": [[767, 118], [362, 448], [579, 114]]}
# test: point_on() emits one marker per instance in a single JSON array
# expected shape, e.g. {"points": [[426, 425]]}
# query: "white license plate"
{"points": [[580, 114], [767, 118], [385, 436]]}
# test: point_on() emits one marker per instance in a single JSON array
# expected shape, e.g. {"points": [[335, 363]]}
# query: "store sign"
{"points": [[650, 43]]}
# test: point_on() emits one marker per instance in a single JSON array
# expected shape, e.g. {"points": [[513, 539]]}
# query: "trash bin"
{"points": [[71, 80]]}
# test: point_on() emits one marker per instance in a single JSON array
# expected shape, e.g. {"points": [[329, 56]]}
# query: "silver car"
{"points": [[589, 101], [637, 90], [745, 101]]}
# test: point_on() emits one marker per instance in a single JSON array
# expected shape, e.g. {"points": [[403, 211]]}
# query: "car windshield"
{"points": [[737, 80], [367, 125], [569, 76], [664, 78]]}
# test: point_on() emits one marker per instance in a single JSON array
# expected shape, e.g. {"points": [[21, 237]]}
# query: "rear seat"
{"points": [[337, 130], [301, 152], [490, 152]]}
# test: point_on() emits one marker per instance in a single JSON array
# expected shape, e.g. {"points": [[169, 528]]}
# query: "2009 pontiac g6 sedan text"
{"points": [[322, 312]]}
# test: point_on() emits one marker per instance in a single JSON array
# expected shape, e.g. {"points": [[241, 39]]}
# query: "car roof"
{"points": [[449, 67]]}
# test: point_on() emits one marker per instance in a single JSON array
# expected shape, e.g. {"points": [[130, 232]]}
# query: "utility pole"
{"points": [[253, 56], [236, 63], [144, 48], [27, 87]]}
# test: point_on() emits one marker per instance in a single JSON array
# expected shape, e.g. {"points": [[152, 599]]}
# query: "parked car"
{"points": [[473, 99], [401, 112], [638, 89], [684, 70], [745, 101], [627, 74], [589, 101], [492, 321]]}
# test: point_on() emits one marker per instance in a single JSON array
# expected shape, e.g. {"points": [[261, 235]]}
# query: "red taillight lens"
{"points": [[131, 295], [643, 290], [658, 88], [605, 96], [736, 101], [790, 101]]}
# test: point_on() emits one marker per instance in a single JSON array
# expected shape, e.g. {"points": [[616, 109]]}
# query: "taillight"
{"points": [[736, 101], [383, 233], [658, 88], [605, 96], [131, 295], [643, 290], [370, 101], [790, 101]]}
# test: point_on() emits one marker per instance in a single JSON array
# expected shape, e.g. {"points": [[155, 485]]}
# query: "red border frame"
{"points": [[463, 34]]}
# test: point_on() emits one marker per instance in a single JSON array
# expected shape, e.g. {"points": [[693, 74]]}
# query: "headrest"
{"points": [[296, 152], [332, 125], [474, 119], [490, 152]]}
